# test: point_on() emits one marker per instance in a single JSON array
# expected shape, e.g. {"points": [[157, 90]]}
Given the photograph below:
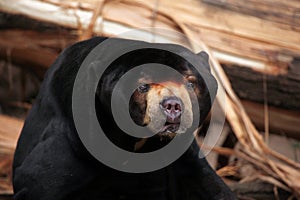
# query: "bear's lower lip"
{"points": [[170, 128]]}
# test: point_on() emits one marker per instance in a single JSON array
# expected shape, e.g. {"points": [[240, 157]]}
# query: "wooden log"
{"points": [[282, 90], [32, 49], [243, 39], [263, 57], [284, 12], [233, 35], [10, 129], [201, 15], [281, 121]]}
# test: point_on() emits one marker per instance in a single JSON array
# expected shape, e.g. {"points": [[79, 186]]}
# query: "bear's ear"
{"points": [[205, 59]]}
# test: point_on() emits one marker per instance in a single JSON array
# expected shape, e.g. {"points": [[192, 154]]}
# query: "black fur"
{"points": [[51, 163]]}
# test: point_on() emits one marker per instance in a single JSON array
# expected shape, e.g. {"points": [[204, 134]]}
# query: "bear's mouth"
{"points": [[170, 127]]}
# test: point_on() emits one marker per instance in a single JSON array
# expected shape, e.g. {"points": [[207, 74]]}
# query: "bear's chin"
{"points": [[166, 135]]}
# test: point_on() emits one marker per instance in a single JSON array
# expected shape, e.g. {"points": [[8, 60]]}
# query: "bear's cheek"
{"points": [[154, 115], [187, 115]]}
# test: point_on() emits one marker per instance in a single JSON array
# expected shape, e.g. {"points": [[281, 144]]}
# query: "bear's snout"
{"points": [[172, 108]]}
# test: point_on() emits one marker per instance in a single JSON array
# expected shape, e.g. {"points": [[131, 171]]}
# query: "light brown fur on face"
{"points": [[156, 117]]}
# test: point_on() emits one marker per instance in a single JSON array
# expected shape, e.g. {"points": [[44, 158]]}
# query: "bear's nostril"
{"points": [[169, 107], [173, 107], [177, 107]]}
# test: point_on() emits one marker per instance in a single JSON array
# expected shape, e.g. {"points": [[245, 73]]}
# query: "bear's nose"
{"points": [[172, 107]]}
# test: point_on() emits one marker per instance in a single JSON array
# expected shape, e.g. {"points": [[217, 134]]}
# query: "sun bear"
{"points": [[52, 163]]}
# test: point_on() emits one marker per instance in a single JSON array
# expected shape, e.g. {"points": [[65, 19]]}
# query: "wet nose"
{"points": [[172, 107]]}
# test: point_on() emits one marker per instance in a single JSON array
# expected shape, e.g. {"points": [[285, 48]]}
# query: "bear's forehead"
{"points": [[169, 83], [169, 79]]}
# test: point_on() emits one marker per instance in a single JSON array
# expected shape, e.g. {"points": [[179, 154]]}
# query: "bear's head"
{"points": [[166, 107]]}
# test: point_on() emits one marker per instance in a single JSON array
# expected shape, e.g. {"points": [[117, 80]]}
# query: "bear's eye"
{"points": [[143, 88], [190, 85]]}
